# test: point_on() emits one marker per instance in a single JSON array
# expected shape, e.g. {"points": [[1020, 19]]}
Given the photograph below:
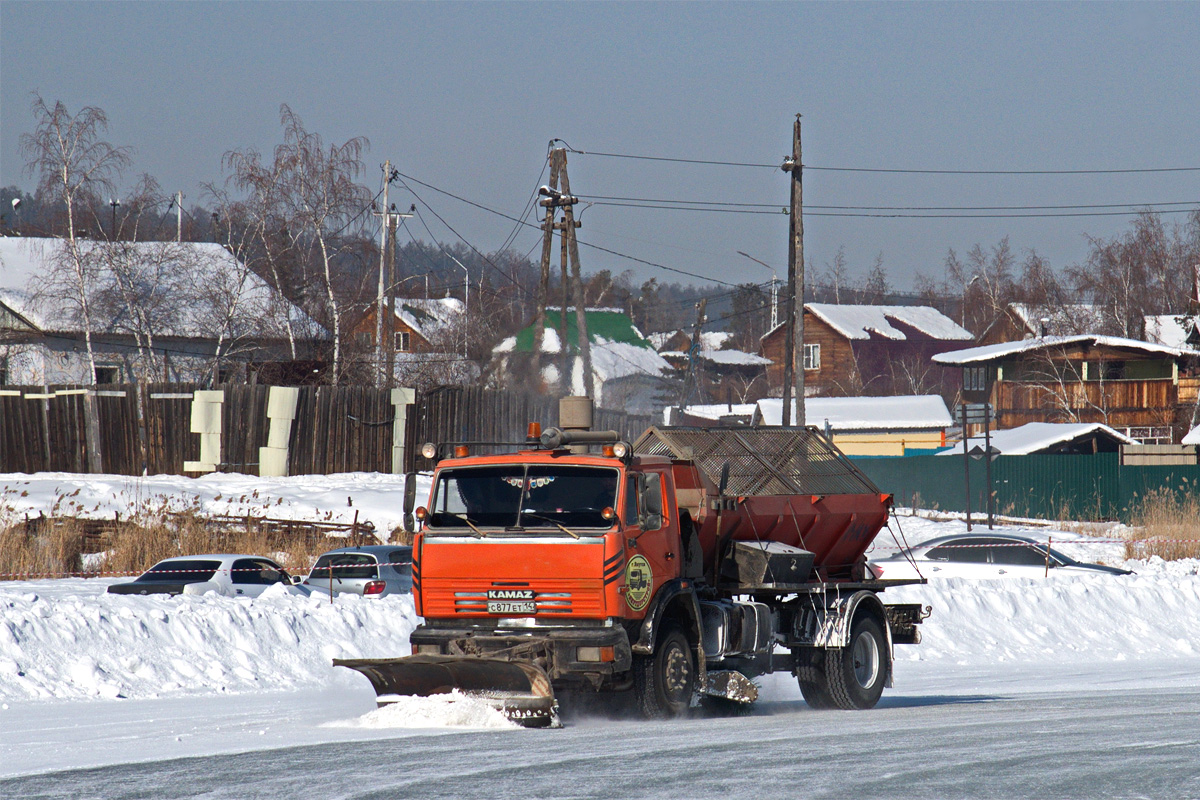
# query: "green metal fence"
{"points": [[1091, 487]]}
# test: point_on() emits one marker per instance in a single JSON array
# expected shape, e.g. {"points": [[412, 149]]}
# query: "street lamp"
{"points": [[113, 202], [966, 286], [774, 288], [466, 297]]}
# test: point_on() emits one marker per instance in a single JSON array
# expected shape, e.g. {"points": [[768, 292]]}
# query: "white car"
{"points": [[229, 574], [984, 555]]}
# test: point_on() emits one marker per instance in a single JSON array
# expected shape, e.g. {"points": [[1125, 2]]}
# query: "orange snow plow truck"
{"points": [[684, 564]]}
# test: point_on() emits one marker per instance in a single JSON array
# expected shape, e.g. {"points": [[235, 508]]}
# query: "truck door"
{"points": [[655, 556]]}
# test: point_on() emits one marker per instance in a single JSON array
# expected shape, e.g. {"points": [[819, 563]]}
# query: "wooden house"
{"points": [[1130, 385], [421, 326], [869, 350]]}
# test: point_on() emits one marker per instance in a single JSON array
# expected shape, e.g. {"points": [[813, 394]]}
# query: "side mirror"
{"points": [[410, 500], [651, 502]]}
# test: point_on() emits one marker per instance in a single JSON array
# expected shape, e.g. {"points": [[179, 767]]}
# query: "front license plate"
{"points": [[511, 607]]}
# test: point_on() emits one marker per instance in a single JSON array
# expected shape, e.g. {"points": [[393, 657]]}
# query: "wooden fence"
{"points": [[146, 428]]}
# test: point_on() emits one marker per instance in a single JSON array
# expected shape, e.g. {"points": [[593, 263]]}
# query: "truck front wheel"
{"points": [[664, 682], [856, 674]]}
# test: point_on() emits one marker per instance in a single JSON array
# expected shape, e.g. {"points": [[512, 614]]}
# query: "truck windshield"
{"points": [[524, 496]]}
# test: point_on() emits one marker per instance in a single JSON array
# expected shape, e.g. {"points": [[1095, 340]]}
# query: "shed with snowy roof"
{"points": [[859, 426], [869, 349]]}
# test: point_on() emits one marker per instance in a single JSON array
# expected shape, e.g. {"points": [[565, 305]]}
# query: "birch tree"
{"points": [[73, 165]]}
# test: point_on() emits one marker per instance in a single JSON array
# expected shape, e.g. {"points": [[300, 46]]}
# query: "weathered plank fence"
{"points": [[147, 428]]}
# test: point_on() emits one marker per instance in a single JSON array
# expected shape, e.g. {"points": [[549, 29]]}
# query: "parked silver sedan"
{"points": [[985, 555], [375, 570]]}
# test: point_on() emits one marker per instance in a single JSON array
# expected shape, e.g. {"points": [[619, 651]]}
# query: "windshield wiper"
{"points": [[555, 523], [478, 533]]}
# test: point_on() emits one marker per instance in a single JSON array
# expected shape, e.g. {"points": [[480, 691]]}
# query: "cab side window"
{"points": [[630, 517]]}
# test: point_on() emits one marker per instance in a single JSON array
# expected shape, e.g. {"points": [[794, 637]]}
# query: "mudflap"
{"points": [[519, 689]]}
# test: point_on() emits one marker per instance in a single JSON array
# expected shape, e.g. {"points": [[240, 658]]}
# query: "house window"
{"points": [[403, 341], [975, 379], [107, 374], [3, 376], [812, 356]]}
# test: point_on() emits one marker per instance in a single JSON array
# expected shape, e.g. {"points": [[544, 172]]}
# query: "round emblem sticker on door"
{"points": [[638, 580]]}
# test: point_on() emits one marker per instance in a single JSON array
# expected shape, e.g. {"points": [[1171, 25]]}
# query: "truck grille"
{"points": [[567, 598], [546, 602]]}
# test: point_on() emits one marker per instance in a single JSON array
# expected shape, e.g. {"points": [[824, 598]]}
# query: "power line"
{"points": [[598, 197], [905, 215], [580, 241], [719, 163]]}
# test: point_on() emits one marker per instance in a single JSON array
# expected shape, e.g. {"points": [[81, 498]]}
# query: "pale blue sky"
{"points": [[465, 96]]}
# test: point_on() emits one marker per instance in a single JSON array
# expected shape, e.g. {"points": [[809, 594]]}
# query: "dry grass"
{"points": [[1165, 524], [58, 546]]}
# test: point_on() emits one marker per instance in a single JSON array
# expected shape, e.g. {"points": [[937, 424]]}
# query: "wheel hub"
{"points": [[677, 672], [866, 660]]}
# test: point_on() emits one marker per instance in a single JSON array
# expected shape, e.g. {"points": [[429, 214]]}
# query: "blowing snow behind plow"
{"points": [[518, 689]]}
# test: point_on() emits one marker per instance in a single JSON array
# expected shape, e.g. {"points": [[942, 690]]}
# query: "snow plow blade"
{"points": [[518, 689]]}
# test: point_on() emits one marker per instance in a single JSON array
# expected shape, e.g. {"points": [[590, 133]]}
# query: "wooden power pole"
{"points": [[794, 343], [553, 198]]}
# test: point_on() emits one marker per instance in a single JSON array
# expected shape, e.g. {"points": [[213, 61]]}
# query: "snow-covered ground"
{"points": [[374, 496], [89, 679]]}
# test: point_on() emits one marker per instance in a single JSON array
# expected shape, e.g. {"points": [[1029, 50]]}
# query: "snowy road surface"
{"points": [[1085, 686], [1092, 735]]}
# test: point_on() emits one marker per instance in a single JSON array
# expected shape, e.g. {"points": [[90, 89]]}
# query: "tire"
{"points": [[856, 674], [665, 682], [810, 674]]}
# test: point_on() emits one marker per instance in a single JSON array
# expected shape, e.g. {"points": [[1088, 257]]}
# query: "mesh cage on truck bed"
{"points": [[762, 461]]}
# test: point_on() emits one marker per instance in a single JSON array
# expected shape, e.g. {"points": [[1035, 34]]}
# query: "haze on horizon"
{"points": [[465, 97]]}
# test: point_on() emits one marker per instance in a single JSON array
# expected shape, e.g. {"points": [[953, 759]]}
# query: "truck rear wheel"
{"points": [[856, 674], [810, 674], [665, 682]]}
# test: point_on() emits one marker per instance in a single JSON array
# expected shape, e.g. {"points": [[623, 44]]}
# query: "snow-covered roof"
{"points": [[861, 321], [734, 357], [1171, 330], [709, 340], [428, 316], [1192, 436], [992, 352], [1037, 436], [618, 347], [906, 412], [208, 289], [1062, 320]]}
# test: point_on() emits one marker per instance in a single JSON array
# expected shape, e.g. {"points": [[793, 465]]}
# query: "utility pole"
{"points": [[691, 384], [385, 339], [553, 198], [179, 216], [384, 229], [795, 339], [539, 321]]}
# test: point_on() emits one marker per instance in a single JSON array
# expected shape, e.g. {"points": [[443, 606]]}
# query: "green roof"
{"points": [[605, 323]]}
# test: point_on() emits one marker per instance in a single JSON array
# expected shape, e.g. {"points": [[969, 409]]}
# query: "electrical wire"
{"points": [[718, 163], [599, 198], [579, 241]]}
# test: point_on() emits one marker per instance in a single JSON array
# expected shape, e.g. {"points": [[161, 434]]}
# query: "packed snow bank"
{"points": [[68, 639], [453, 710], [375, 497]]}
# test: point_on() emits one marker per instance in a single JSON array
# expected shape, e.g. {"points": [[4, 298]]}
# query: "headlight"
{"points": [[429, 450], [621, 449]]}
